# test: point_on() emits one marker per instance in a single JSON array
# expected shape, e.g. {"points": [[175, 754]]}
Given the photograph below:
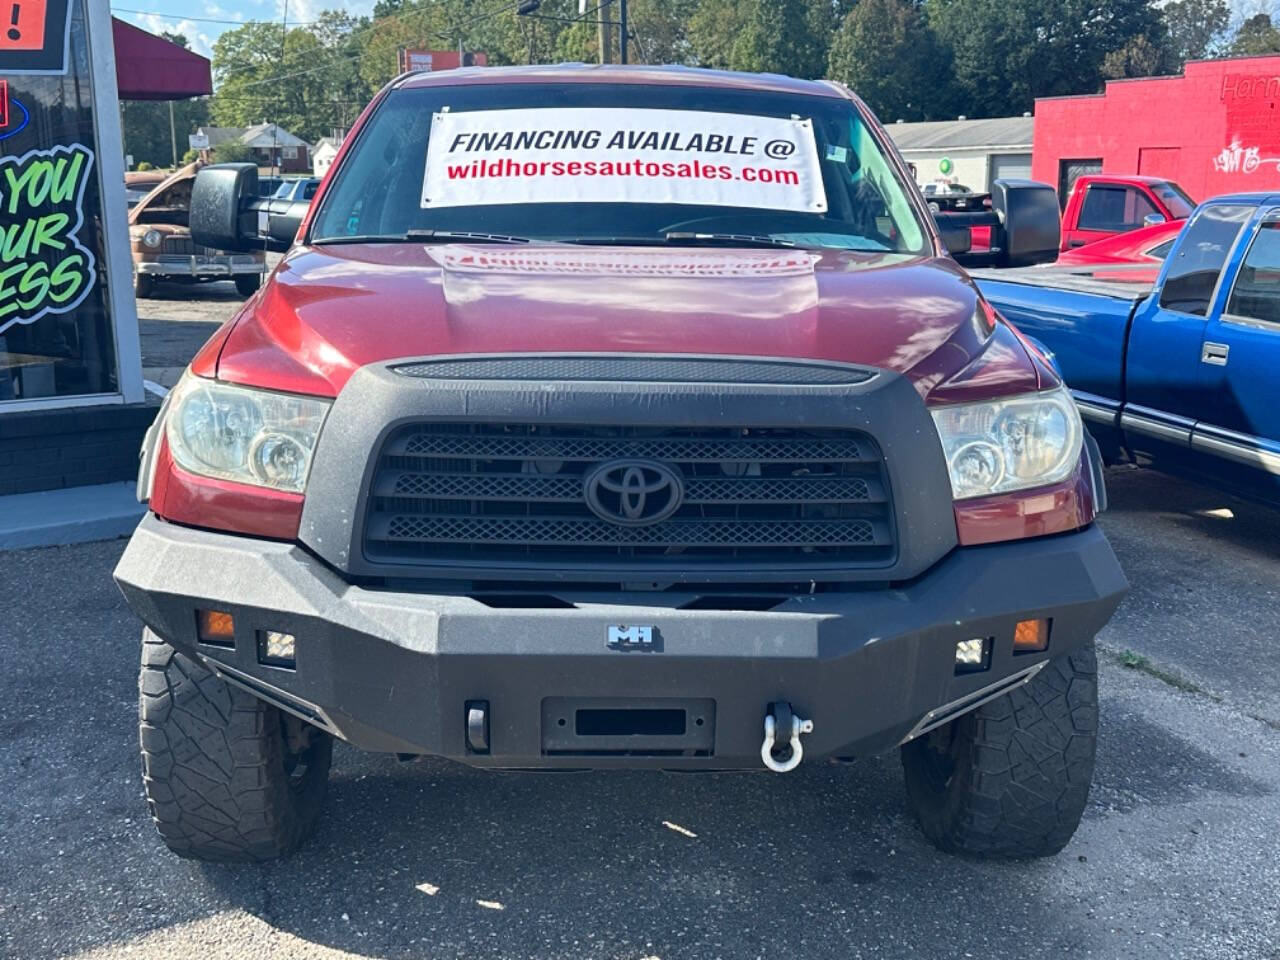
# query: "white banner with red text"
{"points": [[594, 155]]}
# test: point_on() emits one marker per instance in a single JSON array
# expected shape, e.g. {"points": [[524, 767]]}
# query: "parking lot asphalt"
{"points": [[1178, 856], [178, 318]]}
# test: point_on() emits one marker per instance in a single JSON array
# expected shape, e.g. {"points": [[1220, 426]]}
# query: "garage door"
{"points": [[1010, 166]]}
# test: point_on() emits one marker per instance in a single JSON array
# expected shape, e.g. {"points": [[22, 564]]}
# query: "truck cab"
{"points": [[1103, 205], [1177, 367]]}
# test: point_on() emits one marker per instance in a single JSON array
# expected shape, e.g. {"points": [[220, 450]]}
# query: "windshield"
{"points": [[613, 163], [1175, 199]]}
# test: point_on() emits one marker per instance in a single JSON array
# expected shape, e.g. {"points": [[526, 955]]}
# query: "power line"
{"points": [[177, 17], [491, 12], [580, 18]]}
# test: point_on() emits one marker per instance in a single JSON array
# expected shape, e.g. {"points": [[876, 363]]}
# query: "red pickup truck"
{"points": [[605, 418], [1103, 205]]}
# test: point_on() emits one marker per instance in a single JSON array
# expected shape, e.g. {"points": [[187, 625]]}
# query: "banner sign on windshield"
{"points": [[593, 155]]}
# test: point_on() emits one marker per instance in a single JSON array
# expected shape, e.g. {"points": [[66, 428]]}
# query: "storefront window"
{"points": [[56, 335]]}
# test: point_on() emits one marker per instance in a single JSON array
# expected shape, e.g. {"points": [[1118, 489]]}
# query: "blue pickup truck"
{"points": [[1178, 365]]}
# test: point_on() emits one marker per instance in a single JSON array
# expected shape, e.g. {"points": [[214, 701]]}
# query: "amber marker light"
{"points": [[215, 627], [1031, 636]]}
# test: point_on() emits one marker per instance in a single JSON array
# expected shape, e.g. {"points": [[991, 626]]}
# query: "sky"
{"points": [[201, 21]]}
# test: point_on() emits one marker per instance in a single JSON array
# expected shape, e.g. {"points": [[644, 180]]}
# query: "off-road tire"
{"points": [[144, 285], [247, 284], [221, 780], [1010, 779]]}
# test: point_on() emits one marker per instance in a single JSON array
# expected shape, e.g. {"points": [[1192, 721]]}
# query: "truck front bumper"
{"points": [[199, 268], [391, 670]]}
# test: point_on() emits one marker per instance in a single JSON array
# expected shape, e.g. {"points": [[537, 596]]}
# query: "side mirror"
{"points": [[220, 217], [228, 214], [957, 237], [1030, 223], [1151, 219]]}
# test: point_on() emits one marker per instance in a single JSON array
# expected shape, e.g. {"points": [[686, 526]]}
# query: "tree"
{"points": [[886, 51], [145, 127], [1195, 28], [1007, 54], [777, 38], [191, 156], [1140, 57], [713, 29], [265, 74], [232, 151], [1256, 35], [660, 30]]}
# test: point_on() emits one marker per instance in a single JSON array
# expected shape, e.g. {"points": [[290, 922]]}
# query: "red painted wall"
{"points": [[1215, 129]]}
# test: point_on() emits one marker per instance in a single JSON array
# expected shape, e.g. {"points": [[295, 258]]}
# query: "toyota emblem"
{"points": [[633, 492]]}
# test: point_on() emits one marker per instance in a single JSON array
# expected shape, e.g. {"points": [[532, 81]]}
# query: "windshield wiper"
{"points": [[449, 236], [425, 236], [678, 238], [727, 239]]}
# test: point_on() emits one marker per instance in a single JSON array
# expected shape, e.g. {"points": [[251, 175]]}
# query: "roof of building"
{"points": [[267, 135], [616, 73], [219, 135], [956, 134], [328, 143]]}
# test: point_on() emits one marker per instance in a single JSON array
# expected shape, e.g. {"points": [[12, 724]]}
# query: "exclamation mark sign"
{"points": [[14, 33]]}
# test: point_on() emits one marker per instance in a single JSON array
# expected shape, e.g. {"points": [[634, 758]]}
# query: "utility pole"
{"points": [[622, 31], [604, 36], [173, 136]]}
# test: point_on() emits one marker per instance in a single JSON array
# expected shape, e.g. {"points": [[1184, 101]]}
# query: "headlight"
{"points": [[151, 238], [1027, 441], [249, 436]]}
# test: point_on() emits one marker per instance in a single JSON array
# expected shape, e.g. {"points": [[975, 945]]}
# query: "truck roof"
{"points": [[614, 73], [1256, 198], [1122, 178]]}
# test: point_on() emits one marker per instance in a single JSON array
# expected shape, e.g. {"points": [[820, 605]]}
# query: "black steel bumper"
{"points": [[397, 671]]}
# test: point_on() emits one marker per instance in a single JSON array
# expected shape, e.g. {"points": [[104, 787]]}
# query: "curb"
{"points": [[72, 515]]}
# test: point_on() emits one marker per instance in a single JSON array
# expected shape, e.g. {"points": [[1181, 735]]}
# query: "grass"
{"points": [[1144, 664]]}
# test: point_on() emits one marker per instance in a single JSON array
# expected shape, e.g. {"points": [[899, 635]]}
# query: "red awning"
{"points": [[151, 68]]}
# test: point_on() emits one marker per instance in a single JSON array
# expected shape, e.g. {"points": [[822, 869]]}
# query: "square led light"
{"points": [[276, 649], [972, 655]]}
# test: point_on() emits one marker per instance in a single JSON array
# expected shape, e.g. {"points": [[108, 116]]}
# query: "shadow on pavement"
{"points": [[1200, 508]]}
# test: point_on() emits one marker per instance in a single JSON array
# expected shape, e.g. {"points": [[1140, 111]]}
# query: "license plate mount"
{"points": [[628, 726]]}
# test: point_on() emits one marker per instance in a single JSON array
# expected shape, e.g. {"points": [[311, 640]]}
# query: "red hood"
{"points": [[330, 310]]}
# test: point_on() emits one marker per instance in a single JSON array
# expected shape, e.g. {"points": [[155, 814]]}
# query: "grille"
{"points": [[184, 247], [444, 494], [638, 369]]}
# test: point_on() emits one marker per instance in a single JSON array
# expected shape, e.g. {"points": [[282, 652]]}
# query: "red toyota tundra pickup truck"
{"points": [[605, 418]]}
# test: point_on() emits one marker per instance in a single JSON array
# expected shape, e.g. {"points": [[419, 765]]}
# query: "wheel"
{"points": [[143, 285], [247, 284], [1010, 779], [227, 776]]}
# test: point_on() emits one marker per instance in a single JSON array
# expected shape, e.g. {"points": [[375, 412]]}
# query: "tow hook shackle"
{"points": [[782, 750]]}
